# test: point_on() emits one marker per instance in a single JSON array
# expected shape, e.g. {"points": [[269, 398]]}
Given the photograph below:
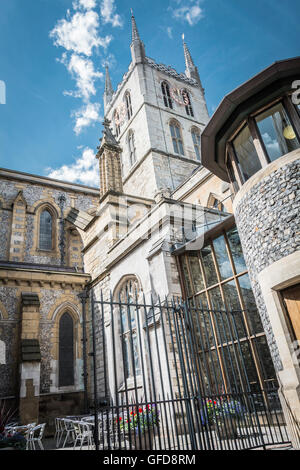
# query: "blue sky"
{"points": [[53, 54]]}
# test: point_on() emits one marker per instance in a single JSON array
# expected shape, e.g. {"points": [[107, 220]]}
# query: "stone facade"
{"points": [[269, 228]]}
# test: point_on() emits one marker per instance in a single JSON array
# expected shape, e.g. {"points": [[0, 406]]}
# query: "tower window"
{"points": [[187, 101], [196, 142], [176, 137], [131, 148], [46, 230], [128, 105], [117, 123], [166, 95]]}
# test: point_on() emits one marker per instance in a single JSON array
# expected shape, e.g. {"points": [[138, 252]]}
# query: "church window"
{"points": [[166, 95], [128, 105], [117, 123], [66, 350], [131, 148], [187, 102], [127, 295], [176, 137], [46, 231], [196, 142]]}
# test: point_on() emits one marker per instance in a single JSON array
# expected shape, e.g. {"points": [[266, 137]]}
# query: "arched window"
{"points": [[166, 95], [127, 295], [131, 148], [46, 231], [196, 142], [128, 105], [176, 137], [66, 351], [117, 123], [187, 101]]}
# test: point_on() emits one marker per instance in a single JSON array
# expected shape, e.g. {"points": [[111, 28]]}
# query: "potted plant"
{"points": [[223, 414], [139, 426]]}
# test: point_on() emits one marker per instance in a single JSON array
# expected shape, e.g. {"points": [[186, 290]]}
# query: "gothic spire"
{"points": [[108, 91], [187, 55], [191, 69], [135, 32], [137, 45]]}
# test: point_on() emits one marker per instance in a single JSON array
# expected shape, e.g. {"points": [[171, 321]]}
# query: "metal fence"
{"points": [[167, 384]]}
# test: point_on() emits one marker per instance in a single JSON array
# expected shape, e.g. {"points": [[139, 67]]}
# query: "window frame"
{"points": [[196, 131], [217, 345], [188, 107], [128, 104], [52, 212], [132, 151], [263, 157], [166, 94], [175, 139]]}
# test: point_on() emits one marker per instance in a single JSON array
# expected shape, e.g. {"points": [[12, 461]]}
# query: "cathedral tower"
{"points": [[157, 116]]}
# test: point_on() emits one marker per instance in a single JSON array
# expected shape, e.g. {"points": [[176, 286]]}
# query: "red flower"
{"points": [[141, 410], [120, 419]]}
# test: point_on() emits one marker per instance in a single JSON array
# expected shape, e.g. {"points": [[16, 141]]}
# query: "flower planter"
{"points": [[142, 441], [227, 428]]}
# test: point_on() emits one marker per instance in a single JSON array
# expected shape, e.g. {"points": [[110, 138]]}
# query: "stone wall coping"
{"points": [[36, 179], [263, 173], [43, 276]]}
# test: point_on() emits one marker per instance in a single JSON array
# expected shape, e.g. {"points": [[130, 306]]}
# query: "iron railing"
{"points": [[159, 382]]}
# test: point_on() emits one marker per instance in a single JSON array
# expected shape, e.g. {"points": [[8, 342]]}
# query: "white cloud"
{"points": [[84, 170], [83, 72], [86, 116], [108, 14], [79, 33], [189, 11], [170, 32], [84, 4]]}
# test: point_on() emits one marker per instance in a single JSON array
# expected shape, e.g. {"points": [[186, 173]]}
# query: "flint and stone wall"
{"points": [[267, 217]]}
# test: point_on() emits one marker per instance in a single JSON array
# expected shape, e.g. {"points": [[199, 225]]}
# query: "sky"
{"points": [[53, 55]]}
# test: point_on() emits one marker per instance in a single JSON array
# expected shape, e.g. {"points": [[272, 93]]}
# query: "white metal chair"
{"points": [[59, 430], [70, 431], [35, 435], [84, 434]]}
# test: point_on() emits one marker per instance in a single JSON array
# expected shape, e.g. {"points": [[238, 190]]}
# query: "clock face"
{"points": [[180, 96]]}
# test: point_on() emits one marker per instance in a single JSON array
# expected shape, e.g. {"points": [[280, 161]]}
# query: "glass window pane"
{"points": [[197, 278], [236, 250], [233, 303], [265, 359], [250, 305], [180, 147], [277, 132], [126, 357], [173, 134], [248, 365], [186, 277], [222, 257], [136, 355], [246, 154], [208, 265], [45, 242]]}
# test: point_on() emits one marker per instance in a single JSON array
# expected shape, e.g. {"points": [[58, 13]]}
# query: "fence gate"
{"points": [[169, 375]]}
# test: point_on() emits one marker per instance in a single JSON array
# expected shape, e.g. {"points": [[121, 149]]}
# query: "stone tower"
{"points": [[109, 163], [157, 116]]}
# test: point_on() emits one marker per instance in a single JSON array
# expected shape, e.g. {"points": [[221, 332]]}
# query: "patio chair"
{"points": [[69, 430], [84, 434], [35, 435], [59, 430]]}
